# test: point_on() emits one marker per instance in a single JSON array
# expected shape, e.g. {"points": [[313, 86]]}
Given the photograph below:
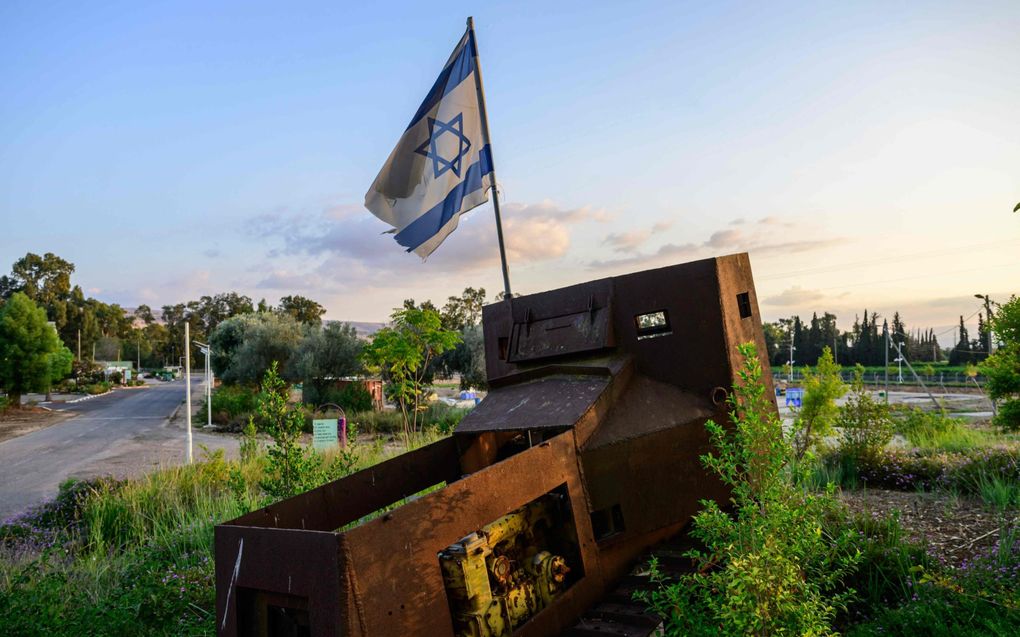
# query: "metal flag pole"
{"points": [[485, 132]]}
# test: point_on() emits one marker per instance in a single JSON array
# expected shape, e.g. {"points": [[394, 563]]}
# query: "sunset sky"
{"points": [[867, 155]]}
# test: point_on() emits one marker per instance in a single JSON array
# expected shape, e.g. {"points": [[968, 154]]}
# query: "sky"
{"points": [[866, 155]]}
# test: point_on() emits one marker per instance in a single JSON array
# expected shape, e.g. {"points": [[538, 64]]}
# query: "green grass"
{"points": [[981, 597], [113, 558]]}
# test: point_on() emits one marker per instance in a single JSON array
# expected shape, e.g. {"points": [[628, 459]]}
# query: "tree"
{"points": [[44, 279], [328, 354], [302, 309], [31, 355], [403, 351], [818, 412], [472, 367], [144, 313], [466, 309], [961, 353], [213, 310], [1002, 369], [245, 346]]}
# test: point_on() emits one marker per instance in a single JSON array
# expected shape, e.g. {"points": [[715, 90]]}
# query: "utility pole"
{"points": [[187, 384], [791, 359], [988, 318], [885, 335], [79, 344]]}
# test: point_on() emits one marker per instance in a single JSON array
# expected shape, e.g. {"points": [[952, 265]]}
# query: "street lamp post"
{"points": [[207, 350]]}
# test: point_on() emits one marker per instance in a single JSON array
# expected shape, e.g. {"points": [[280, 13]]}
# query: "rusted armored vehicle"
{"points": [[583, 455]]}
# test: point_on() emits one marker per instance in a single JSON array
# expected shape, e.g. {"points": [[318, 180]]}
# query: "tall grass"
{"points": [[937, 431], [112, 558]]}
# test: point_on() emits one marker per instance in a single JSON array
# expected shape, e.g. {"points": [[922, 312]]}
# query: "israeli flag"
{"points": [[442, 165]]}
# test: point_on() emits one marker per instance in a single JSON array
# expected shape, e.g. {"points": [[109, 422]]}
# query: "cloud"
{"points": [[724, 238], [794, 296], [763, 237], [343, 247], [212, 253], [630, 241], [627, 241]]}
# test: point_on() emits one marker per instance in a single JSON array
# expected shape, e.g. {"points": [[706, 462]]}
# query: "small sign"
{"points": [[324, 434]]}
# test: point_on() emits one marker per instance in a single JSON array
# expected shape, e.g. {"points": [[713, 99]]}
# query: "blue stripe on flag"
{"points": [[429, 224], [451, 77]]}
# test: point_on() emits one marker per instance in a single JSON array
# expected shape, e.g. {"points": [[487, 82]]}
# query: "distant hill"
{"points": [[364, 329]]}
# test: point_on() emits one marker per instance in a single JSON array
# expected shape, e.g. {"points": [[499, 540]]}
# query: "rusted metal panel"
{"points": [[564, 333], [734, 273], [402, 546], [341, 502], [552, 402], [300, 564]]}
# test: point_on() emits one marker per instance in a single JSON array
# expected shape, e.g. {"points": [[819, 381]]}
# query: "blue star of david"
{"points": [[430, 148]]}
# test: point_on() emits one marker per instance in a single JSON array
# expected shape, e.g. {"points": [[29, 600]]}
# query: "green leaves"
{"points": [[31, 354], [770, 567], [1003, 367], [403, 351]]}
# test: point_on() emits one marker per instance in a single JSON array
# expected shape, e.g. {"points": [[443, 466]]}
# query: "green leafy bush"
{"points": [[352, 397], [444, 418], [814, 421], [865, 425], [95, 389], [985, 473], [772, 567], [378, 422], [4, 403], [231, 405]]}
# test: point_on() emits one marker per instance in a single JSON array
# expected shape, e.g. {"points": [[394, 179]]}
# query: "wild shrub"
{"points": [[352, 397], [981, 597], [975, 472], [865, 425], [377, 422], [231, 405], [822, 386], [443, 418], [771, 566]]}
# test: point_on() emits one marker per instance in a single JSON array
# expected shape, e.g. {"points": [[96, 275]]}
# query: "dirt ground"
{"points": [[18, 422], [954, 528]]}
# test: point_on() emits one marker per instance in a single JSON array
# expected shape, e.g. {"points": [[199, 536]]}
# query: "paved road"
{"points": [[124, 433]]}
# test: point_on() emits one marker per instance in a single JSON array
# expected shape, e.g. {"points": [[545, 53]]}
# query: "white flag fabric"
{"points": [[442, 165]]}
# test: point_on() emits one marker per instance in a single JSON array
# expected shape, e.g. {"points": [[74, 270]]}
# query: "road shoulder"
{"points": [[18, 422]]}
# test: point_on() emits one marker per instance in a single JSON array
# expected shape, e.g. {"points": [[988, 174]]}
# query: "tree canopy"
{"points": [[31, 355], [403, 351], [245, 346], [303, 310], [1002, 368]]}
